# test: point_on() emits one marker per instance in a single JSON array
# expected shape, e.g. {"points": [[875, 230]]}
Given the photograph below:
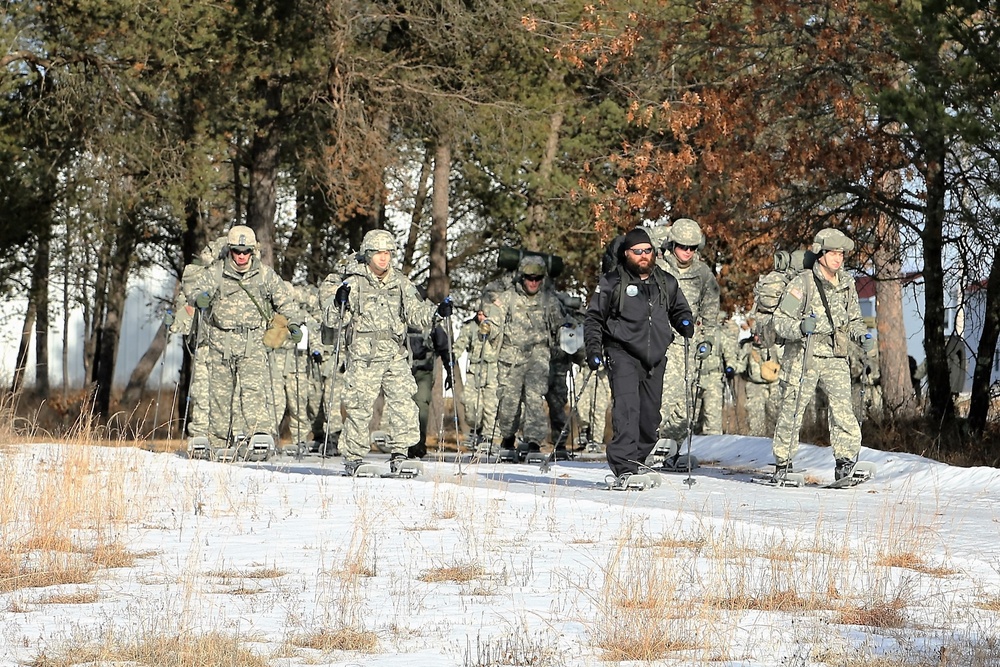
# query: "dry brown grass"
{"points": [[344, 639], [208, 650], [990, 604], [912, 561], [76, 597], [775, 601], [460, 573], [116, 555], [17, 571], [875, 614], [258, 573]]}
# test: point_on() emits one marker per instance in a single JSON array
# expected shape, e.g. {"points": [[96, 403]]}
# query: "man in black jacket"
{"points": [[628, 327]]}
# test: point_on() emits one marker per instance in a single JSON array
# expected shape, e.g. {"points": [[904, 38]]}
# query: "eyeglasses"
{"points": [[690, 248], [241, 251], [534, 279], [639, 252]]}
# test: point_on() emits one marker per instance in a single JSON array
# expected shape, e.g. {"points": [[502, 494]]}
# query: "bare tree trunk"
{"points": [[108, 328], [419, 201], [264, 154], [65, 315], [23, 347], [139, 378], [979, 406], [938, 386], [40, 288], [438, 283], [894, 366], [537, 208]]}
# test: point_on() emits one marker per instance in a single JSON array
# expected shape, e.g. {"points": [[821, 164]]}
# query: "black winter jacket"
{"points": [[642, 326]]}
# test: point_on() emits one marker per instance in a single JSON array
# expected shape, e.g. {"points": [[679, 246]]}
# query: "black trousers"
{"points": [[635, 409]]}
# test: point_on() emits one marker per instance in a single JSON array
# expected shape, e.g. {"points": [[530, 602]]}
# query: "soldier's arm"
{"points": [[327, 299], [791, 307], [283, 298], [855, 322]]}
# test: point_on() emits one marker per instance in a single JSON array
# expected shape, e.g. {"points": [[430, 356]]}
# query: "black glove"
{"points": [[295, 332], [703, 350], [808, 325], [449, 378], [342, 295], [203, 300], [317, 356], [168, 318], [686, 329], [445, 308], [594, 361], [730, 372]]}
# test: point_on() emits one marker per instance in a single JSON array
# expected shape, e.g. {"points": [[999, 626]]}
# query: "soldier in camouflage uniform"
{"points": [[425, 345], [380, 302], [185, 319], [818, 317], [697, 282], [245, 303], [480, 390], [524, 321], [297, 368], [718, 368], [760, 374]]}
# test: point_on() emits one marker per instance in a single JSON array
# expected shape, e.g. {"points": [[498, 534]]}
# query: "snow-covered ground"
{"points": [[504, 565]]}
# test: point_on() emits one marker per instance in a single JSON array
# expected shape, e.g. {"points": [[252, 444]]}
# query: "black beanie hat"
{"points": [[637, 236]]}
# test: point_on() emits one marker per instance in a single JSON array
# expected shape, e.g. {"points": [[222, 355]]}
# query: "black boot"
{"points": [[844, 468]]}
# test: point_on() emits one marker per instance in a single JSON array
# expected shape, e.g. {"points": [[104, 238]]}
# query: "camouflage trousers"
{"points": [[522, 390], [332, 401], [674, 404], [363, 382], [594, 403], [710, 402], [832, 374], [479, 398], [557, 397], [762, 407], [242, 398], [424, 379], [198, 395], [300, 391]]}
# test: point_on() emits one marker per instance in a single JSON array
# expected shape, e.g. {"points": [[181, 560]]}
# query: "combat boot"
{"points": [[396, 462], [351, 466], [844, 468]]}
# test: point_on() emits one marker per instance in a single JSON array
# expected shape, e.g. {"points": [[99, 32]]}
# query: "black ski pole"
{"points": [[547, 463], [688, 408], [328, 407]]}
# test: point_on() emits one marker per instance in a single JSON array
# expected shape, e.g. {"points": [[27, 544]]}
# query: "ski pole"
{"points": [[454, 393], [328, 407], [547, 463], [688, 408]]}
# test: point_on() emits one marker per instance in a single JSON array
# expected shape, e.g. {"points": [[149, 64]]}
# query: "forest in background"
{"points": [[131, 134]]}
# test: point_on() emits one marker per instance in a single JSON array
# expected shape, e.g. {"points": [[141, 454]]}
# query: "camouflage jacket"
{"points": [[520, 322], [470, 340], [378, 311], [243, 302], [700, 289], [835, 331]]}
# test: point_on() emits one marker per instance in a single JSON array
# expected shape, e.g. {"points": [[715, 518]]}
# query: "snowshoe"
{"points": [[853, 474], [783, 475], [359, 468], [381, 441], [664, 450], [508, 455], [533, 454], [628, 480], [199, 448], [400, 466], [233, 451], [560, 454], [260, 447]]}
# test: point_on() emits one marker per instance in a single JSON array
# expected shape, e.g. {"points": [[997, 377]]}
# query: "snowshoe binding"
{"points": [[784, 475], [632, 481], [849, 472], [199, 448], [400, 466]]}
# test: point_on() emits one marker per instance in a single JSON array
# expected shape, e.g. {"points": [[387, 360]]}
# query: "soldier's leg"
{"points": [[489, 400], [845, 431], [786, 432], [511, 384], [221, 398], [362, 384], [199, 395], [711, 403], [673, 408], [400, 409], [557, 396], [471, 400], [424, 382], [757, 396], [536, 384], [260, 398]]}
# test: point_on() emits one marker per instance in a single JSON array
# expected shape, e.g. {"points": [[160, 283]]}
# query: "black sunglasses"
{"points": [[692, 248], [533, 278], [242, 251], [639, 252]]}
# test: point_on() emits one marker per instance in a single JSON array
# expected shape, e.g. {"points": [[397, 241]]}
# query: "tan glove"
{"points": [[277, 332], [769, 370]]}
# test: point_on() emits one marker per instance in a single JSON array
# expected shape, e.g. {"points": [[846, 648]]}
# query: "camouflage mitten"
{"points": [[277, 332]]}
